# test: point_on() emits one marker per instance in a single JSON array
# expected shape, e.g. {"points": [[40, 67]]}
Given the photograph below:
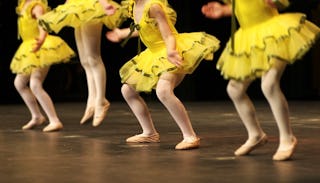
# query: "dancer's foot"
{"points": [[100, 113], [51, 127], [188, 143], [33, 123], [248, 147], [87, 115], [141, 138], [286, 154]]}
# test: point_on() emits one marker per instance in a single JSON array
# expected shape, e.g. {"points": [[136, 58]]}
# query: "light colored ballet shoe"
{"points": [[245, 149], [30, 125], [144, 139], [87, 115], [187, 144], [51, 127], [286, 154], [98, 118]]}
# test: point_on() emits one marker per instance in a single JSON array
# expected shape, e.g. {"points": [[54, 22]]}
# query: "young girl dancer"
{"points": [[261, 48], [87, 18], [32, 60], [162, 66]]}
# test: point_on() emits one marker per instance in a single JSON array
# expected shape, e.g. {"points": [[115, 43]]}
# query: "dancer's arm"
{"points": [[117, 35], [158, 14], [37, 11]]}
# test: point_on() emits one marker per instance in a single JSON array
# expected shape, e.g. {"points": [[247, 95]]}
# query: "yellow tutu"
{"points": [[54, 50], [144, 70], [286, 37], [75, 13]]}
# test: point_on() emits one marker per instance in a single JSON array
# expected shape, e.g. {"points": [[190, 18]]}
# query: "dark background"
{"points": [[67, 82]]}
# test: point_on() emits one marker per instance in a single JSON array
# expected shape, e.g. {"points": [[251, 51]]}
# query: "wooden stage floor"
{"points": [[82, 153]]}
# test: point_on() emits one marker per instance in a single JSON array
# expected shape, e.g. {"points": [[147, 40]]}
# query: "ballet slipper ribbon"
{"points": [[18, 29], [18, 12], [133, 27], [281, 4], [233, 24]]}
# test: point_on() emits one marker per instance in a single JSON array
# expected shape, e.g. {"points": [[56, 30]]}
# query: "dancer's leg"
{"points": [[21, 83], [279, 106], [246, 110], [89, 111], [36, 80], [140, 109], [165, 93], [91, 37]]}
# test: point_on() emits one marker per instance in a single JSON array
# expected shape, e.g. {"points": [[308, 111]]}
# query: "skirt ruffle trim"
{"points": [[144, 70], [77, 14], [250, 60], [53, 51]]}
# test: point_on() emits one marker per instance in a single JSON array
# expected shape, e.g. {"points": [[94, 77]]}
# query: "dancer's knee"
{"points": [[36, 86], [235, 90], [94, 60], [20, 85], [127, 91], [163, 93], [269, 88]]}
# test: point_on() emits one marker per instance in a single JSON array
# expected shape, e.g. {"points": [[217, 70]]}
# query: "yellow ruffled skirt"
{"points": [[144, 70], [75, 13], [53, 51], [286, 37]]}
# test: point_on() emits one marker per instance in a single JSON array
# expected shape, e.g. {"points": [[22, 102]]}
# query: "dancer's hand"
{"points": [[114, 35], [108, 8], [38, 43], [270, 3], [117, 35], [175, 58], [216, 10]]}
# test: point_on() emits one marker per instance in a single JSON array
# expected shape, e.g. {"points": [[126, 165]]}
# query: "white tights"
{"points": [[88, 40], [164, 90], [34, 93], [271, 89]]}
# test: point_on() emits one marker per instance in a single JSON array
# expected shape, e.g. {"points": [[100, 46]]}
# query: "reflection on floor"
{"points": [[82, 153]]}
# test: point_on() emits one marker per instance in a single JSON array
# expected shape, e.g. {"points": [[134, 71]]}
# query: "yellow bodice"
{"points": [[252, 12], [148, 30], [28, 25]]}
